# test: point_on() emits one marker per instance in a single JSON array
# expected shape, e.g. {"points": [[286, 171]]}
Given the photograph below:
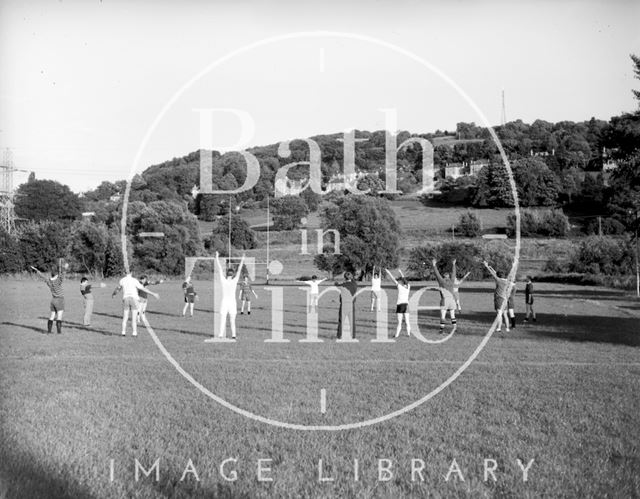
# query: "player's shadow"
{"points": [[82, 327], [182, 331], [67, 323], [25, 326], [103, 314]]}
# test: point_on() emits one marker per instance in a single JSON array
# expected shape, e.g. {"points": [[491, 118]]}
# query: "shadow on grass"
{"points": [[77, 325], [25, 477], [43, 330], [585, 328]]}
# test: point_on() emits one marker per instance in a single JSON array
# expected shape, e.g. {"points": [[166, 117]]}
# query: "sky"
{"points": [[96, 90]]}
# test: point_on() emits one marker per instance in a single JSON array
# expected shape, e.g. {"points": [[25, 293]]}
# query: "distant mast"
{"points": [[503, 117]]}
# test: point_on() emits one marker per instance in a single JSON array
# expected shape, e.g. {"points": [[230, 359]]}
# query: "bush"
{"points": [[42, 243], [610, 226], [468, 255], [554, 265], [468, 225], [242, 236], [548, 223], [600, 255], [11, 260], [553, 223], [287, 212], [500, 258]]}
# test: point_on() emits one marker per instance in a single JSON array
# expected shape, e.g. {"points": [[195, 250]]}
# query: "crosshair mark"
{"points": [[323, 401]]}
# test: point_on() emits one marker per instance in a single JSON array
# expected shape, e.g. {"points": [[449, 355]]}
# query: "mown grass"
{"points": [[562, 392]]}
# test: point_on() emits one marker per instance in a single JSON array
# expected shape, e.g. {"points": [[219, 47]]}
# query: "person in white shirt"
{"points": [[130, 286], [228, 306], [314, 292], [376, 288], [403, 302]]}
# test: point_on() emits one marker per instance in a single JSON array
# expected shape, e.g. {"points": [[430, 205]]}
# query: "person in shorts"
{"points": [[129, 286], [245, 295], [314, 292], [447, 297], [402, 303], [56, 306], [143, 296], [87, 297], [500, 295], [456, 284], [190, 296]]}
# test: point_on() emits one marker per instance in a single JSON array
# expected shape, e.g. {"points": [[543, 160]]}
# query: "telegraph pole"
{"points": [[7, 169]]}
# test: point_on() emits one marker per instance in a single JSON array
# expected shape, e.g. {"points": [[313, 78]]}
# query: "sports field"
{"points": [[78, 409]]}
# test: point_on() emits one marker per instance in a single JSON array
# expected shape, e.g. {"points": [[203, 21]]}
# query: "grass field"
{"points": [[563, 392]]}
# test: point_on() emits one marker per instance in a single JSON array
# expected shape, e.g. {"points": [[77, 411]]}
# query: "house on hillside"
{"points": [[288, 187], [340, 181], [608, 163], [453, 170], [477, 165]]}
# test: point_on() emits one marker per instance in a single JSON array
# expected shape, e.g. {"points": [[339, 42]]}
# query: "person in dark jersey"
{"points": [[143, 297], [190, 296], [347, 311], [246, 290], [528, 300], [56, 307]]}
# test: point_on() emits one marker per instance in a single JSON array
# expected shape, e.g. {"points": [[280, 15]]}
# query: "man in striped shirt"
{"points": [[57, 297]]}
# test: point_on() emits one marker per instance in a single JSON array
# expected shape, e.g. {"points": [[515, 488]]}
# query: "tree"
{"points": [[373, 183], [287, 212], [492, 188], [601, 255], [369, 231], [468, 225], [181, 236], [10, 255], [547, 223], [89, 245], [103, 192], [636, 70], [242, 237], [113, 258], [46, 200], [42, 243], [329, 261], [537, 185]]}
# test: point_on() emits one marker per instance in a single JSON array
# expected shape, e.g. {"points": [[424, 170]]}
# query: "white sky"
{"points": [[81, 82]]}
